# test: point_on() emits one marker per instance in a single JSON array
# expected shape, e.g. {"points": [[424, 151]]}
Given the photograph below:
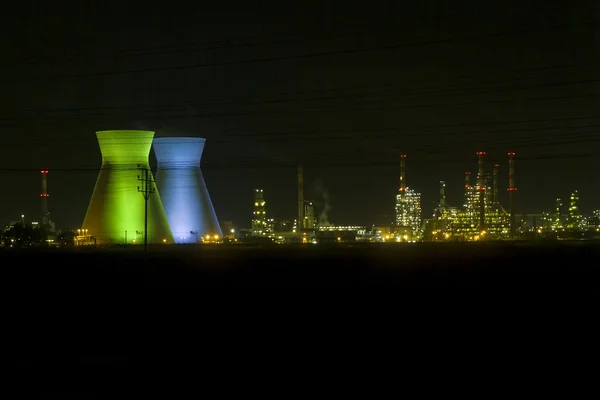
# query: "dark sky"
{"points": [[341, 88]]}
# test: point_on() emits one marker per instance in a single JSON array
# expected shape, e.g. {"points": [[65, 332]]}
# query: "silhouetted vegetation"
{"points": [[19, 235], [66, 238]]}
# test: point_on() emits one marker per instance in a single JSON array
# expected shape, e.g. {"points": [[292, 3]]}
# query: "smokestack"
{"points": [[511, 191], [402, 173], [44, 196], [481, 188], [495, 185], [442, 195], [300, 197]]}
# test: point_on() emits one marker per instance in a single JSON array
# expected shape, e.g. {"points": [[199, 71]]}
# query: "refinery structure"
{"points": [[128, 207], [480, 217]]}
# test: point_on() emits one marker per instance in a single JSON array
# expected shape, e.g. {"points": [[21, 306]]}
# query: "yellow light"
{"points": [[447, 236], [164, 240], [405, 237], [216, 237], [233, 231], [207, 237]]}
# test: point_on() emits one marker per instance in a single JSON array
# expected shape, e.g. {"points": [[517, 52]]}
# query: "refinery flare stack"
{"points": [[115, 214], [183, 190]]}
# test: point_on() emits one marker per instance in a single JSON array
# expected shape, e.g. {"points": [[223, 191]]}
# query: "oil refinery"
{"points": [[481, 217], [128, 207]]}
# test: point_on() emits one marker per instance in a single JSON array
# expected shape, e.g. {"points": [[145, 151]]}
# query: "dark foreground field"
{"points": [[525, 265], [83, 322]]}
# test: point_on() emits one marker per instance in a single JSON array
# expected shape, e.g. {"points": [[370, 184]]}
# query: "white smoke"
{"points": [[141, 125], [321, 191]]}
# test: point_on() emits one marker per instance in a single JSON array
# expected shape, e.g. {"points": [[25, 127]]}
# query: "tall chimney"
{"points": [[495, 185], [511, 192], [402, 173], [442, 195], [481, 188], [300, 197], [44, 196]]}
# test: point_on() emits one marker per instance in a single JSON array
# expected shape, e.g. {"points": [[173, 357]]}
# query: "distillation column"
{"points": [[495, 200], [467, 188], [402, 173], [481, 188], [511, 192], [44, 197], [300, 197]]}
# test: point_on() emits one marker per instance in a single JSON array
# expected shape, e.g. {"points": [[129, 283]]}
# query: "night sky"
{"points": [[343, 89]]}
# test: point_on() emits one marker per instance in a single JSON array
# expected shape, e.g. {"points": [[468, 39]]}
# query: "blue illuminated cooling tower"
{"points": [[182, 189]]}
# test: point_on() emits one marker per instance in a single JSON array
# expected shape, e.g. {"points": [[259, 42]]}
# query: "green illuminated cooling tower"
{"points": [[115, 214]]}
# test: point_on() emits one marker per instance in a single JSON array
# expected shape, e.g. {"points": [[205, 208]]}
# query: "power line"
{"points": [[311, 55], [362, 96], [570, 135], [243, 42], [259, 164], [333, 110], [209, 45], [261, 137]]}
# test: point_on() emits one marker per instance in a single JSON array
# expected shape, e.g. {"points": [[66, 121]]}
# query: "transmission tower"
{"points": [[147, 189]]}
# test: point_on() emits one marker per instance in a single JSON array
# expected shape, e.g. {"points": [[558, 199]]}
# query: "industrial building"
{"points": [[595, 220], [482, 217], [260, 226], [125, 186], [408, 207], [183, 190], [567, 221]]}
